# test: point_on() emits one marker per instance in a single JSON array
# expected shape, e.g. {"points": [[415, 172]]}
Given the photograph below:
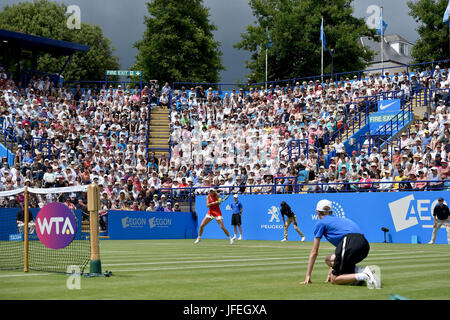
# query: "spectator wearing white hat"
{"points": [[433, 124], [168, 207]]}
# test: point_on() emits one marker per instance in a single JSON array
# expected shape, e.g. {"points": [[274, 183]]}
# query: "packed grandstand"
{"points": [[239, 141]]}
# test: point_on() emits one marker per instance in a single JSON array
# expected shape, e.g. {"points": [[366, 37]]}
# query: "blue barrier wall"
{"points": [[405, 214], [4, 152], [123, 225], [361, 132]]}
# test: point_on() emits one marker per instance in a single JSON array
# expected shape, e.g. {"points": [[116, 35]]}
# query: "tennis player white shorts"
{"points": [[217, 218]]}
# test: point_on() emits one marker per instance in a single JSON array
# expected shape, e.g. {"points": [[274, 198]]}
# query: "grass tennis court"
{"points": [[214, 269]]}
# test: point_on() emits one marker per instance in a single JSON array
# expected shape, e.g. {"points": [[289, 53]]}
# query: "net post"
{"points": [[93, 204], [25, 231]]}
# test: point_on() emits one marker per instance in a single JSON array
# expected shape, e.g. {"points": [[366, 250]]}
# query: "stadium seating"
{"points": [[186, 138], [286, 138]]}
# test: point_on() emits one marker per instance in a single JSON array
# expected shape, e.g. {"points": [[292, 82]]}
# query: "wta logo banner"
{"points": [[56, 225], [338, 211]]}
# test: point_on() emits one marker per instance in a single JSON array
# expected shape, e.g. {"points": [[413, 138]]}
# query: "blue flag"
{"points": [[269, 40], [447, 12], [381, 26], [322, 35]]}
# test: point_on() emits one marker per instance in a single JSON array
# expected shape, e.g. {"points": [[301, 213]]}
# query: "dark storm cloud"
{"points": [[395, 13]]}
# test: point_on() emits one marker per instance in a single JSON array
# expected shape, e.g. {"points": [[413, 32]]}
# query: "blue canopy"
{"points": [[30, 42]]}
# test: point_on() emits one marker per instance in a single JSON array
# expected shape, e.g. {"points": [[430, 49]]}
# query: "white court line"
{"points": [[256, 259], [155, 243], [235, 265], [195, 261], [25, 275], [181, 255], [181, 259], [228, 266]]}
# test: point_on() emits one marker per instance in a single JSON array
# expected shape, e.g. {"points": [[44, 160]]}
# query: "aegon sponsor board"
{"points": [[151, 225], [140, 222], [159, 222], [408, 212]]}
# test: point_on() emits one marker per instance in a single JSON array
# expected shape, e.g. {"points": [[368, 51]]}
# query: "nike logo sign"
{"points": [[387, 106]]}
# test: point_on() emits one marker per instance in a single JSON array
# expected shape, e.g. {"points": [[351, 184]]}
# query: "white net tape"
{"points": [[57, 190], [44, 190]]}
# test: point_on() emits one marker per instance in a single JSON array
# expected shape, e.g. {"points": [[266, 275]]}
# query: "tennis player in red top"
{"points": [[213, 203]]}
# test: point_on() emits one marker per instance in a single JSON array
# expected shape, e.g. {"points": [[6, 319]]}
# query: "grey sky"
{"points": [[123, 23]]}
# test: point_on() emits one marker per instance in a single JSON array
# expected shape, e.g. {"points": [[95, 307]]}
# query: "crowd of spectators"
{"points": [[243, 138], [76, 136], [70, 137]]}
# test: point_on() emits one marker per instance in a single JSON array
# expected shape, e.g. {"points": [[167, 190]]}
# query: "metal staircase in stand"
{"points": [[159, 131]]}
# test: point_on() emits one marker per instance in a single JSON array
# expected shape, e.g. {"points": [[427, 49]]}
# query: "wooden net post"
{"points": [[26, 220], [93, 205]]}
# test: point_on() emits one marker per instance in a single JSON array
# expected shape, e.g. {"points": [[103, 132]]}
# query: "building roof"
{"points": [[389, 53], [396, 38], [30, 42]]}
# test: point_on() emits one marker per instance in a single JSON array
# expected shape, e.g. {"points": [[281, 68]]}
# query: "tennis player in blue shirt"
{"points": [[351, 248]]}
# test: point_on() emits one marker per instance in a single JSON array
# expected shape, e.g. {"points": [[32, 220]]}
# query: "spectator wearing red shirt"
{"points": [[367, 182], [182, 191], [26, 122], [444, 170]]}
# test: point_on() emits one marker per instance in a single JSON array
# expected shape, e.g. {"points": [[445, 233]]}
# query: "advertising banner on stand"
{"points": [[407, 215], [123, 225]]}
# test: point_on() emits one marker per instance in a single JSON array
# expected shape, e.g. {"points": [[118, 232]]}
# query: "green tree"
{"points": [[48, 19], [294, 28], [433, 43], [178, 43]]}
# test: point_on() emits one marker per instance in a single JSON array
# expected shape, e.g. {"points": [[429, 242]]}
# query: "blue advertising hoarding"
{"points": [[123, 225], [391, 105], [388, 110], [407, 215], [378, 119]]}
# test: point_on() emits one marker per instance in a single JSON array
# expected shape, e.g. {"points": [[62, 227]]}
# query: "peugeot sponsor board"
{"points": [[405, 214], [275, 220]]}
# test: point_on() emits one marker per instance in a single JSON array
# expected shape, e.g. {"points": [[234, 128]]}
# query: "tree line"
{"points": [[178, 42]]}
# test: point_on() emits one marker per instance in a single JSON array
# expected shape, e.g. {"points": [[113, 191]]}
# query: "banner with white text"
{"points": [[407, 215], [125, 225]]}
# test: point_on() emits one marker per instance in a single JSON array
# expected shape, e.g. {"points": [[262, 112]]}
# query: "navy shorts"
{"points": [[236, 219], [352, 249]]}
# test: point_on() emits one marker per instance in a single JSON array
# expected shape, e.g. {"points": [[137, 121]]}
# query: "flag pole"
{"points": [[382, 40], [26, 220], [267, 32], [321, 68], [446, 21], [266, 67]]}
